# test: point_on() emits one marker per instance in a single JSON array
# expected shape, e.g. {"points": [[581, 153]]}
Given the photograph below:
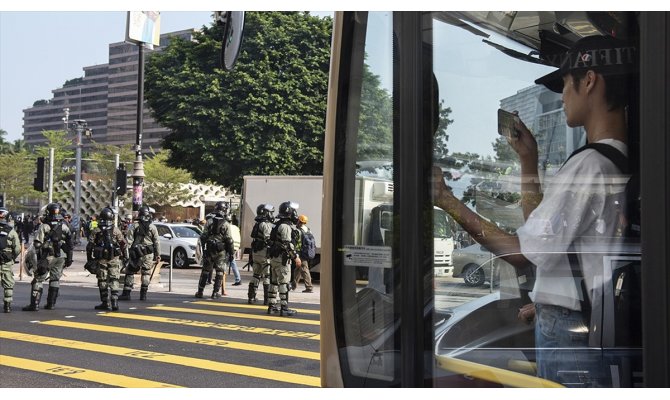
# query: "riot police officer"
{"points": [[106, 245], [144, 253], [10, 248], [217, 248], [260, 235], [52, 240], [282, 252]]}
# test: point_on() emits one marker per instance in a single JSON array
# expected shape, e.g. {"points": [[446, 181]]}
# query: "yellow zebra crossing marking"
{"points": [[216, 325], [290, 320], [311, 355], [251, 306], [237, 369], [81, 373]]}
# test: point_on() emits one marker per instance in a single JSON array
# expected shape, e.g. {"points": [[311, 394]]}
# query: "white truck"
{"points": [[373, 212], [305, 190]]}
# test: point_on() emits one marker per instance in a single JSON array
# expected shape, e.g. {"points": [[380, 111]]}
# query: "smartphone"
{"points": [[506, 122]]}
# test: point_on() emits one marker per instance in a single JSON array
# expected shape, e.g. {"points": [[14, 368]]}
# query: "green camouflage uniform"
{"points": [[106, 252], [7, 256]]}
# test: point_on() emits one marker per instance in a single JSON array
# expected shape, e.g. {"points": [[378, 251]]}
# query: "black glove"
{"points": [[68, 262], [230, 258]]}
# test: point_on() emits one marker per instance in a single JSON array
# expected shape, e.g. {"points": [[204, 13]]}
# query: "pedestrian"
{"points": [[282, 252], [217, 248], [306, 248], [53, 247], [28, 228], [144, 253], [260, 240], [235, 232], [10, 248], [596, 78], [105, 247]]}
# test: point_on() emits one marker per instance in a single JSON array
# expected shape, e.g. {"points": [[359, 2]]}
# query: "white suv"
{"points": [[178, 243]]}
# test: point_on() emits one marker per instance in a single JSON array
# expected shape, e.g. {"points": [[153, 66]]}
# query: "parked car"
{"points": [[178, 243], [473, 264]]}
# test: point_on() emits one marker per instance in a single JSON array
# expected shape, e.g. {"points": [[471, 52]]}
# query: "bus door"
{"points": [[413, 90]]}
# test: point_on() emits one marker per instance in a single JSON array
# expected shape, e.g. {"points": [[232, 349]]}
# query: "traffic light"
{"points": [[38, 183], [121, 180]]}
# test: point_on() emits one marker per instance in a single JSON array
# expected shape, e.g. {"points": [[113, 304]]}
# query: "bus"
{"points": [[417, 90]]}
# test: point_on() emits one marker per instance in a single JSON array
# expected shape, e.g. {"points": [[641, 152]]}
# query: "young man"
{"points": [[572, 214], [302, 271]]}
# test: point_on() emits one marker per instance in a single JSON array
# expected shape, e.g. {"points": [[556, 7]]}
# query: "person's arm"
{"points": [[484, 232]]}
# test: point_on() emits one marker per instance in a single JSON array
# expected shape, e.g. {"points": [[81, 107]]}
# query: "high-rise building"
{"points": [[106, 97]]}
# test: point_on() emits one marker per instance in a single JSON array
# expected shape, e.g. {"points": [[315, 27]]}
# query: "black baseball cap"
{"points": [[603, 54]]}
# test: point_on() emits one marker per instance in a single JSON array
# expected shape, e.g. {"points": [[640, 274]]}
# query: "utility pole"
{"points": [[51, 174], [80, 127], [138, 165], [115, 201]]}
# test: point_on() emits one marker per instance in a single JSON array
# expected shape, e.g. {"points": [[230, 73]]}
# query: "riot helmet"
{"points": [[106, 218], [221, 208], [52, 212], [4, 215], [144, 214], [288, 210], [264, 212]]}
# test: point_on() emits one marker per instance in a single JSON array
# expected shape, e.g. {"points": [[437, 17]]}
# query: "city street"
{"points": [[170, 340]]}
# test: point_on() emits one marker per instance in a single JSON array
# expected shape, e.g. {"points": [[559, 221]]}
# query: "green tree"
{"points": [[266, 116], [503, 150], [61, 145], [16, 178], [19, 145], [164, 184], [5, 146], [375, 128], [441, 140]]}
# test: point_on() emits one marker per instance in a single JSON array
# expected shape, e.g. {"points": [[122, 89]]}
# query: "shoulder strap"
{"points": [[612, 153]]}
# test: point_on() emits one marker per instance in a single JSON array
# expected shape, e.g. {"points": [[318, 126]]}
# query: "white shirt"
{"points": [[573, 212]]}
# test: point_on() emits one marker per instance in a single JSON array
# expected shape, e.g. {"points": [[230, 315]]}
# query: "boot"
{"points": [[125, 295], [273, 308], [252, 293], [201, 284], [8, 307], [218, 279], [115, 301], [284, 310], [35, 297], [266, 288], [143, 293], [104, 305], [51, 298]]}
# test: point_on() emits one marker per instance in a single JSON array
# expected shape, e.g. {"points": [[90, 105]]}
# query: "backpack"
{"points": [[308, 248], [631, 230], [632, 190]]}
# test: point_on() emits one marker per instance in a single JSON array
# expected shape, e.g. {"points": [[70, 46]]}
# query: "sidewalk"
{"points": [[183, 281]]}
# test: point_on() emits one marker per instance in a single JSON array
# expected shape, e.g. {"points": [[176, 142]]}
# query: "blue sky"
{"points": [[43, 44], [39, 51]]}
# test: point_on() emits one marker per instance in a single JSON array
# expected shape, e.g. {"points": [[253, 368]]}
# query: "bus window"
{"points": [[414, 92], [480, 302], [367, 205]]}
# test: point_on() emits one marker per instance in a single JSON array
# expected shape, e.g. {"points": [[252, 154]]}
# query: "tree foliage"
{"points": [[265, 117], [60, 144], [16, 178], [163, 184]]}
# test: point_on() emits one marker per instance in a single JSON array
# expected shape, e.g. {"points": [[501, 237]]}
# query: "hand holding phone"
{"points": [[506, 124]]}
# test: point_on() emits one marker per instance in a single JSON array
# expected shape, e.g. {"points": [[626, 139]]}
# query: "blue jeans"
{"points": [[563, 355], [236, 271]]}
